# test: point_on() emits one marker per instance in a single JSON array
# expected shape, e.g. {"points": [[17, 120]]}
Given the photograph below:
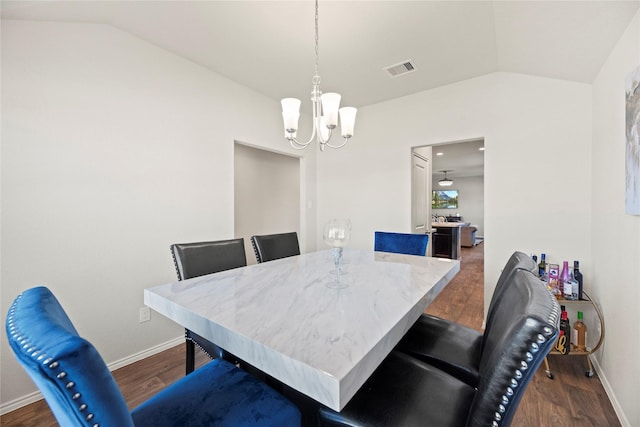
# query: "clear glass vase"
{"points": [[337, 233]]}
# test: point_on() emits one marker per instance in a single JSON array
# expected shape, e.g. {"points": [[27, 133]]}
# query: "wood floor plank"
{"points": [[569, 400]]}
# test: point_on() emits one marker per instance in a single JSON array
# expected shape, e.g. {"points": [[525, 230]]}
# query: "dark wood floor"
{"points": [[569, 400]]}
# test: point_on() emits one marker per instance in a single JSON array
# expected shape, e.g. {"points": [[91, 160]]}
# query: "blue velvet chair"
{"points": [[453, 347], [81, 391], [269, 247], [405, 391], [197, 259], [401, 243]]}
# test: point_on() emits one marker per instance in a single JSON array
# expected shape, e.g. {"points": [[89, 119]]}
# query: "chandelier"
{"points": [[326, 108]]}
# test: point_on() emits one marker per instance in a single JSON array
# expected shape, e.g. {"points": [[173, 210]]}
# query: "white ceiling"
{"points": [[269, 45], [461, 159]]}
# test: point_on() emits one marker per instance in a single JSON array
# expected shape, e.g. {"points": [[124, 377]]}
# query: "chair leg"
{"points": [[191, 356], [547, 369]]}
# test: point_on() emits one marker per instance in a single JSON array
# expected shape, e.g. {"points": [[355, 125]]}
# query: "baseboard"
{"points": [[145, 353], [36, 395], [18, 403], [607, 388]]}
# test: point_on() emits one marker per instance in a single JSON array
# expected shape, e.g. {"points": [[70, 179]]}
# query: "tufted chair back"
{"points": [[197, 259], [200, 258], [275, 246], [401, 243], [517, 261], [67, 369], [524, 330]]}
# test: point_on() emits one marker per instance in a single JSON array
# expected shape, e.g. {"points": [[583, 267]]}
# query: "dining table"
{"points": [[288, 319]]}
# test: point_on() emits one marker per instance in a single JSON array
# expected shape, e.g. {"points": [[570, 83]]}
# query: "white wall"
{"points": [[545, 178], [470, 201], [537, 183], [533, 127], [615, 278], [112, 149]]}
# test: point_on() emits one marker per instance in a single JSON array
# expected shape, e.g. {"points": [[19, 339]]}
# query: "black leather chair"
{"points": [[198, 259], [275, 246], [405, 391], [455, 348]]}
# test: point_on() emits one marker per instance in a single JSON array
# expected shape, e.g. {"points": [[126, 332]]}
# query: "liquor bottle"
{"points": [[553, 283], [564, 284], [561, 343], [542, 267], [579, 334], [578, 276], [573, 288], [565, 330]]}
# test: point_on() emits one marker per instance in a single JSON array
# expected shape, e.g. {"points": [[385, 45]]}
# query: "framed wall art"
{"points": [[632, 150]]}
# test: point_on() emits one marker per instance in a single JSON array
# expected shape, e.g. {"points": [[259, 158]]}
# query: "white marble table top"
{"points": [[280, 316]]}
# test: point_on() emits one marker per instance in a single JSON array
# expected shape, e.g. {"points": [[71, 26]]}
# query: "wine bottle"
{"points": [[542, 267], [578, 276], [553, 282], [579, 334], [564, 284], [564, 346]]}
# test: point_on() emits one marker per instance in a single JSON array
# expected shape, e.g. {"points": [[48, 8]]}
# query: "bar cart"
{"points": [[576, 304]]}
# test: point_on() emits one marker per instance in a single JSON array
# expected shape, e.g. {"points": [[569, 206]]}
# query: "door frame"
{"points": [[425, 155]]}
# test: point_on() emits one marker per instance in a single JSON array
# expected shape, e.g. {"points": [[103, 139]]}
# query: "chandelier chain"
{"points": [[317, 39], [324, 122]]}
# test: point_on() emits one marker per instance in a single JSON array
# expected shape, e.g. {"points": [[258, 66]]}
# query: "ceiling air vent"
{"points": [[400, 69]]}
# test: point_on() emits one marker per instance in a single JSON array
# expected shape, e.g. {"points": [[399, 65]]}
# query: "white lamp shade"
{"points": [[348, 121], [290, 113], [445, 182], [330, 106], [290, 121], [324, 131], [290, 104]]}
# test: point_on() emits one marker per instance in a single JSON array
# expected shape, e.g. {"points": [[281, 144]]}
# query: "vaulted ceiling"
{"points": [[269, 45]]}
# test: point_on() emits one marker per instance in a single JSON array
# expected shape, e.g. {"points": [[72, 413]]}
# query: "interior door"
{"points": [[421, 191]]}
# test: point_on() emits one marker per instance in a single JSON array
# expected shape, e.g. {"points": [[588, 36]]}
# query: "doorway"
{"points": [[266, 194], [463, 162]]}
